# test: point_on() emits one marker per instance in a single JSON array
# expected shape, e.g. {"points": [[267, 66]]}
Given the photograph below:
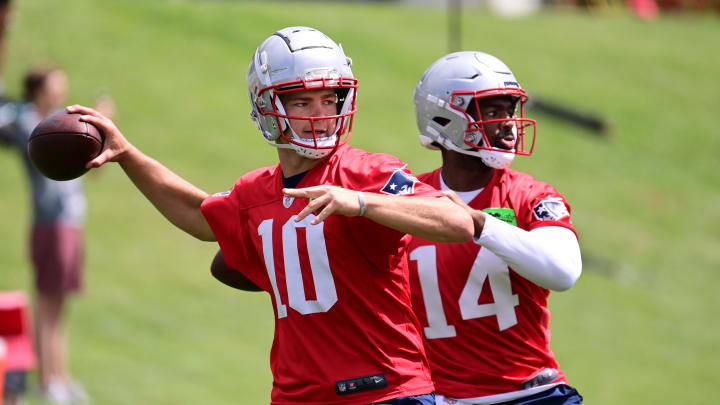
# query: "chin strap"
{"points": [[278, 145], [496, 159], [301, 150]]}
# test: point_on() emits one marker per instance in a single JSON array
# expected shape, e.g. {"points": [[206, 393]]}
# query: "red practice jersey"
{"points": [[486, 328], [345, 332]]}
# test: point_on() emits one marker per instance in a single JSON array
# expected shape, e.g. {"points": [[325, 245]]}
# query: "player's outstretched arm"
{"points": [[549, 256], [435, 219], [177, 199]]}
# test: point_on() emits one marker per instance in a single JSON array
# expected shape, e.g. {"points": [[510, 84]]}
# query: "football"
{"points": [[61, 145]]}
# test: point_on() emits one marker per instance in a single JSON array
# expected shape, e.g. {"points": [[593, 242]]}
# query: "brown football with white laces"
{"points": [[61, 145]]}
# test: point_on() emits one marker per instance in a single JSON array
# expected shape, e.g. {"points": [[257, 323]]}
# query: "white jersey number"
{"points": [[319, 265], [487, 266]]}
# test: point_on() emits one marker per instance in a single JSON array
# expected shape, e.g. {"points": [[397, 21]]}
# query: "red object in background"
{"points": [[15, 331], [645, 9], [670, 5]]}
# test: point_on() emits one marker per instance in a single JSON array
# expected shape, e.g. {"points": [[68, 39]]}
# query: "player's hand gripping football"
{"points": [[115, 144], [325, 201]]}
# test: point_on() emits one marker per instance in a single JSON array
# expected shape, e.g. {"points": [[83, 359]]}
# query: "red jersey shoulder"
{"points": [[254, 188], [431, 178], [376, 172], [521, 181], [541, 200], [354, 157]]}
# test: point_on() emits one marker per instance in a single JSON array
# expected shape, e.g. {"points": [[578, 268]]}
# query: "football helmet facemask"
{"points": [[297, 59], [457, 86]]}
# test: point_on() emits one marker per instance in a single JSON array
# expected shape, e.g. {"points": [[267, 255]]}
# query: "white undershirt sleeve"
{"points": [[549, 256]]}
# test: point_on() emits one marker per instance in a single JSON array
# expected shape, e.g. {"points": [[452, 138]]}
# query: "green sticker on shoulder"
{"points": [[503, 214]]}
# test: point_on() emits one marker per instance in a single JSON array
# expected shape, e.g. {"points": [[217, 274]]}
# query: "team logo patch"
{"points": [[287, 201], [503, 214], [400, 183], [550, 209], [222, 194]]}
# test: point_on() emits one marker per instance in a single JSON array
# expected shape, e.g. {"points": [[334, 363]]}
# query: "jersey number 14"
{"points": [[487, 266]]}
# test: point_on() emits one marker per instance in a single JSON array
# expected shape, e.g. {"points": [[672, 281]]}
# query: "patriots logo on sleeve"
{"points": [[400, 183], [550, 209], [222, 194]]}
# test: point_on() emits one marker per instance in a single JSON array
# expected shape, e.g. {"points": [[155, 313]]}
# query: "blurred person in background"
{"points": [[57, 240], [483, 303], [321, 231]]}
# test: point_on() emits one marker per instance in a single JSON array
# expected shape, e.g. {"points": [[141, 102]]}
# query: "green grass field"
{"points": [[640, 327]]}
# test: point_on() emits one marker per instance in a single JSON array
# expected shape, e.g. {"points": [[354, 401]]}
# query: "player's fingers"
{"points": [[304, 213], [314, 206], [103, 124], [81, 109], [450, 194], [99, 160], [326, 212], [295, 192], [305, 192], [97, 121], [454, 197]]}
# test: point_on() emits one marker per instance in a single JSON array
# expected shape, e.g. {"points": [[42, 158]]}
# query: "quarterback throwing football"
{"points": [[321, 232]]}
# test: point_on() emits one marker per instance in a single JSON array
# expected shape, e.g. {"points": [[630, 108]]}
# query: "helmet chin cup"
{"points": [[311, 152], [315, 148], [496, 159]]}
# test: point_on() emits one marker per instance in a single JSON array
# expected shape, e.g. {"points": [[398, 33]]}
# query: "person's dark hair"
{"points": [[34, 81]]}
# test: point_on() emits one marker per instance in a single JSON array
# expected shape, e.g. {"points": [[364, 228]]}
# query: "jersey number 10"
{"points": [[319, 264]]}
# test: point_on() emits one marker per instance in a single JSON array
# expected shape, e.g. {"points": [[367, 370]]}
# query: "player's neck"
{"points": [[291, 163], [464, 173]]}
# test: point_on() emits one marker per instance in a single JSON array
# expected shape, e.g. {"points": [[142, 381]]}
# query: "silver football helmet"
{"points": [[297, 59], [451, 88]]}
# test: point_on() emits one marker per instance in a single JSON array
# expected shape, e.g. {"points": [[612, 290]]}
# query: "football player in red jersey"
{"points": [[321, 232], [483, 303]]}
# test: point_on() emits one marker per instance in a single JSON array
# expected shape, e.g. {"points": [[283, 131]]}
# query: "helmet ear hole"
{"points": [[342, 94], [442, 121]]}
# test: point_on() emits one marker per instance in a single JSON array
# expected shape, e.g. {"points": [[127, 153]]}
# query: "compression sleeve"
{"points": [[549, 256]]}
